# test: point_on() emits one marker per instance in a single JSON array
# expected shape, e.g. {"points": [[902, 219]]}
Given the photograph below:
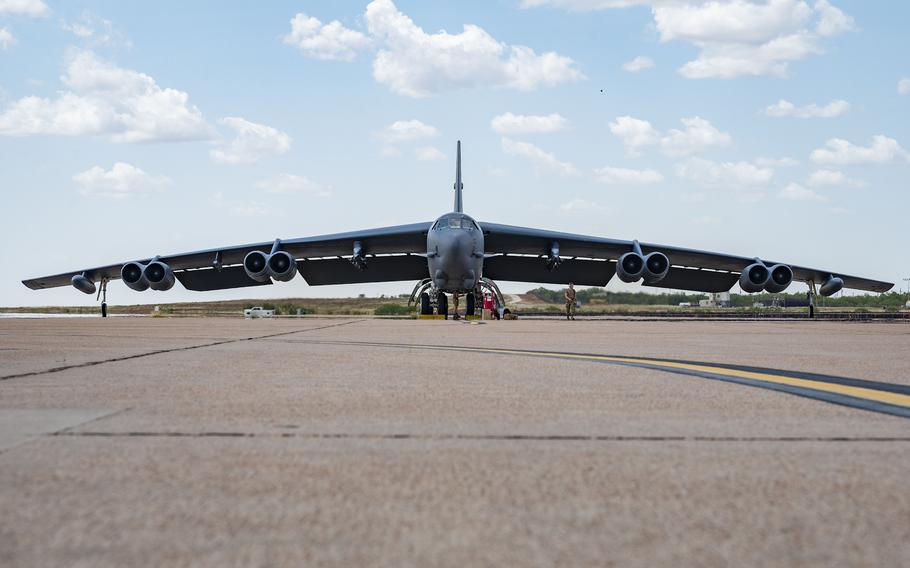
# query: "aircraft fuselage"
{"points": [[455, 253]]}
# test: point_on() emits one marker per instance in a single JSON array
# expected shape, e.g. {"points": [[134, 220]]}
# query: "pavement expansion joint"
{"points": [[477, 437], [164, 351]]}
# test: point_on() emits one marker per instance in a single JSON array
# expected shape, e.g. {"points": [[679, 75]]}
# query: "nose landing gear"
{"points": [[470, 302], [428, 298], [442, 304]]}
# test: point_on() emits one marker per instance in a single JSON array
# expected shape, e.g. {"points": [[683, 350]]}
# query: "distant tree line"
{"points": [[587, 295], [891, 300]]}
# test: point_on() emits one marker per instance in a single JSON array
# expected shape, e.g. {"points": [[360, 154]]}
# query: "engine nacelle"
{"points": [[831, 286], [282, 266], [133, 276], [159, 276], [754, 278], [781, 277], [256, 265], [657, 266], [83, 284], [630, 267]]}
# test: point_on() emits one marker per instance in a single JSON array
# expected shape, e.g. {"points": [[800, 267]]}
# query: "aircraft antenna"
{"points": [[458, 184]]}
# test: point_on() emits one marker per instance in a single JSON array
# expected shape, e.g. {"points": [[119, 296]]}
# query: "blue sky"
{"points": [[770, 128]]}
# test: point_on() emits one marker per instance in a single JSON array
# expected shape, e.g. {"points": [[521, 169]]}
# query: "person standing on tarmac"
{"points": [[570, 302]]}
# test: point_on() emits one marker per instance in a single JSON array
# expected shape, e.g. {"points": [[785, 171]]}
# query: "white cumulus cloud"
{"points": [[544, 160], [406, 131], [784, 108], [104, 99], [634, 133], [741, 37], [33, 8], [796, 192], [627, 176], [903, 86], [640, 63], [251, 142], [6, 38], [840, 152], [822, 178], [325, 41], [509, 123], [290, 183], [832, 20], [724, 174], [415, 63], [95, 31], [584, 5], [784, 162], [735, 37], [697, 135], [78, 29], [429, 154], [120, 181]]}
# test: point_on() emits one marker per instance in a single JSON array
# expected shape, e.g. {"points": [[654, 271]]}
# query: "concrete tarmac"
{"points": [[221, 442]]}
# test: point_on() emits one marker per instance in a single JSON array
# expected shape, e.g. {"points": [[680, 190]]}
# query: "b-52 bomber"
{"points": [[456, 255]]}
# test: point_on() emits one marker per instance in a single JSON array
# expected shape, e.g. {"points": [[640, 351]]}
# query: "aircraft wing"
{"points": [[695, 270], [390, 253]]}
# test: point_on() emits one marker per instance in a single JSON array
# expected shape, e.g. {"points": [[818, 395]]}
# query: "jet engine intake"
{"points": [[630, 267], [657, 266], [256, 265], [282, 266], [831, 286], [159, 276], [279, 265], [754, 278], [781, 277], [133, 276]]}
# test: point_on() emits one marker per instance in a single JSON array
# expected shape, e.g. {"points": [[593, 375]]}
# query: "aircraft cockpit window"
{"points": [[454, 223]]}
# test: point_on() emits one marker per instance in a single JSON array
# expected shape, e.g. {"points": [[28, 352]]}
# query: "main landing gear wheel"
{"points": [[425, 308], [469, 304], [442, 305]]}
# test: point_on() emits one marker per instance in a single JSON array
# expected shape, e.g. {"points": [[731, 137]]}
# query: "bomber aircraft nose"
{"points": [[469, 279], [462, 244]]}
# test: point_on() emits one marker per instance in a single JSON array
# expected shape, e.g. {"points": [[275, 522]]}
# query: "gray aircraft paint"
{"points": [[452, 252], [455, 245]]}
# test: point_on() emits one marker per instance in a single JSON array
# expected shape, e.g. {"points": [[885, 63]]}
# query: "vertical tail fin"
{"points": [[458, 184]]}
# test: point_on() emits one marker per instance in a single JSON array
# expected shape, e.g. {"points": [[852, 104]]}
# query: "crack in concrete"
{"points": [[163, 351]]}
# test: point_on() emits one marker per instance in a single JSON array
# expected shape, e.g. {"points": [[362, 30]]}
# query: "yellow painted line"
{"points": [[895, 399]]}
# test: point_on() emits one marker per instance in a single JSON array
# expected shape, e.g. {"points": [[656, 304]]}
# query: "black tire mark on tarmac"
{"points": [[163, 351], [664, 365]]}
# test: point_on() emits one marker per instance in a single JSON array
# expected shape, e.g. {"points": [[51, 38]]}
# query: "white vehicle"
{"points": [[258, 312]]}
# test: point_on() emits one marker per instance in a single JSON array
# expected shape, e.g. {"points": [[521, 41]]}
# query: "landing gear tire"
{"points": [[442, 305], [425, 308], [469, 304], [104, 309]]}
